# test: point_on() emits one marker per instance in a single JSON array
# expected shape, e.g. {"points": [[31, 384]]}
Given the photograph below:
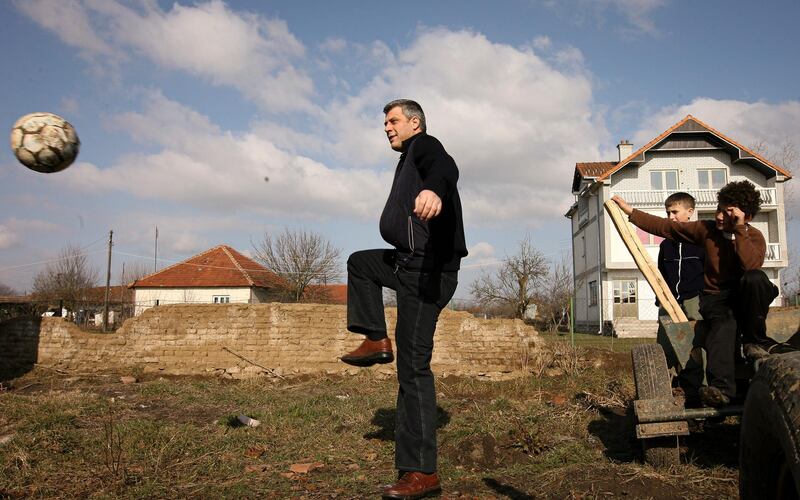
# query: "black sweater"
{"points": [[437, 244]]}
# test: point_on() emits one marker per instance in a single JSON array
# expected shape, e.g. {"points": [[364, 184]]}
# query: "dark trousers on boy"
{"points": [[421, 296], [735, 313]]}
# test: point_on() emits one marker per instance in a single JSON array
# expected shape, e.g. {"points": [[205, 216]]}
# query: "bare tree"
{"points": [[6, 290], [132, 271], [786, 155], [553, 296], [67, 279], [301, 258], [514, 284]]}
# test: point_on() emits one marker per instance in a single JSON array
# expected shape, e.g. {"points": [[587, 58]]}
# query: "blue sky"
{"points": [[184, 108]]}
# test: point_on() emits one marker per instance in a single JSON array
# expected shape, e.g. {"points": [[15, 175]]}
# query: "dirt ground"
{"points": [[559, 435]]}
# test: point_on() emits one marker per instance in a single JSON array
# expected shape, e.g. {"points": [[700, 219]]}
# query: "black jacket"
{"points": [[438, 244], [682, 266]]}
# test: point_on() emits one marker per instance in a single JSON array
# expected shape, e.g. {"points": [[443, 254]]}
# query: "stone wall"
{"points": [[238, 340]]}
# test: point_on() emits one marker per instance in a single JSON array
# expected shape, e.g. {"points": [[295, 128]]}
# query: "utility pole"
{"points": [[108, 281], [155, 253]]}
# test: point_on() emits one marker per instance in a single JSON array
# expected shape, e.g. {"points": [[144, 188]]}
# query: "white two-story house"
{"points": [[611, 294]]}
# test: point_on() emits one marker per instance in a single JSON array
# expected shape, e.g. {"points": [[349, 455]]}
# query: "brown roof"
{"points": [[335, 293], [216, 267], [664, 134], [594, 168], [118, 293]]}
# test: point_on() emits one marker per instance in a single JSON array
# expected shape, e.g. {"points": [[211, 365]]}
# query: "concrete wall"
{"points": [[285, 338]]}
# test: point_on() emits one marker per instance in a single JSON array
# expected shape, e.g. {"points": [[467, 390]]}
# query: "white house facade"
{"points": [[220, 275], [610, 292]]}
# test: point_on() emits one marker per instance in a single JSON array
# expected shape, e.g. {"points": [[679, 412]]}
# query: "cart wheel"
{"points": [[652, 379], [769, 459]]}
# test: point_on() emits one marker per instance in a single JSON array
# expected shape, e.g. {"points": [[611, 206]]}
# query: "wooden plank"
{"points": [[645, 264]]}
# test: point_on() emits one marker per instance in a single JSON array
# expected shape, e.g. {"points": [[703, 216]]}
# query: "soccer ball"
{"points": [[44, 142]]}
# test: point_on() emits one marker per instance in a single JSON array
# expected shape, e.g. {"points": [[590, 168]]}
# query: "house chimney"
{"points": [[625, 149]]}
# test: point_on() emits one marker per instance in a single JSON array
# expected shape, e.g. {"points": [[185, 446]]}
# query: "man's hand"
{"points": [[735, 216], [623, 205], [427, 205]]}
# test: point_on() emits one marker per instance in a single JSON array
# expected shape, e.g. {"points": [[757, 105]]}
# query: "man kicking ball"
{"points": [[422, 221]]}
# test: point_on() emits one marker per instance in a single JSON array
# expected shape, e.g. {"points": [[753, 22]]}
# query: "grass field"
{"points": [[565, 434], [596, 341]]}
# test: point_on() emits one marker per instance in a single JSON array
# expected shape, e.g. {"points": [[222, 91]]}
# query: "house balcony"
{"points": [[773, 252], [704, 198]]}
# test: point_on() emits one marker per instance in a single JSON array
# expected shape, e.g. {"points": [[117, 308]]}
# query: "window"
{"points": [[625, 292], [664, 180], [592, 293], [647, 238], [711, 178], [222, 299]]}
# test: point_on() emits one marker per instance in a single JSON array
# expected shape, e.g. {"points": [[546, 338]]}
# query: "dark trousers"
{"points": [[733, 313], [421, 296]]}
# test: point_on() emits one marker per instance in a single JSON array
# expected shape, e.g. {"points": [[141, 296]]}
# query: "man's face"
{"points": [[725, 218], [398, 128], [679, 212]]}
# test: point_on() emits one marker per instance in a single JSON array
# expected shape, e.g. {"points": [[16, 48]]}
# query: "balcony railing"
{"points": [[773, 252], [703, 197]]}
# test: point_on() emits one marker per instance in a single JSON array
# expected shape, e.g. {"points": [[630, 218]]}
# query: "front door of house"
{"points": [[625, 297]]}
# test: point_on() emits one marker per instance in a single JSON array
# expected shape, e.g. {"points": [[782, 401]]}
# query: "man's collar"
{"points": [[407, 143]]}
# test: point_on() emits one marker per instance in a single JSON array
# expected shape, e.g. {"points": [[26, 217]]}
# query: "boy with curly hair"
{"points": [[736, 293]]}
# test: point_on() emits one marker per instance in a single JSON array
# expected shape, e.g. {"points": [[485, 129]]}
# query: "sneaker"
{"points": [[713, 397]]}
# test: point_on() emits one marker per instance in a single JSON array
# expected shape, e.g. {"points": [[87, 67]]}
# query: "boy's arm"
{"points": [[689, 232], [750, 247]]}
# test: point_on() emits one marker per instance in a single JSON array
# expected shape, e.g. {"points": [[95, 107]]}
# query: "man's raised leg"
{"points": [[368, 272]]}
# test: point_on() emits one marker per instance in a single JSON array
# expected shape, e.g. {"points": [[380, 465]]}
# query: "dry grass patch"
{"points": [[561, 436]]}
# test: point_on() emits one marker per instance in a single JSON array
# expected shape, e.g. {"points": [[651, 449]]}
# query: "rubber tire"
{"points": [[652, 379], [769, 447]]}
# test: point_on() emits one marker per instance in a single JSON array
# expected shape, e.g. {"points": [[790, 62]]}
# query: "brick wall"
{"points": [[283, 338]]}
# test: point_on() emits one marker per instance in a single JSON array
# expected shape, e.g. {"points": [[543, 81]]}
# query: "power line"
{"points": [[49, 261]]}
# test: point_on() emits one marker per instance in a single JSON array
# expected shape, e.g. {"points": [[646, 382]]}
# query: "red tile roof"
{"points": [[117, 294], [216, 267], [335, 293], [664, 134]]}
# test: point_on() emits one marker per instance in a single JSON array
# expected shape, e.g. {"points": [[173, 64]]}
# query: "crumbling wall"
{"points": [[238, 340]]}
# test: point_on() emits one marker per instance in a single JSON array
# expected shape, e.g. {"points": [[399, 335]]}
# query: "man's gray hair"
{"points": [[410, 110]]}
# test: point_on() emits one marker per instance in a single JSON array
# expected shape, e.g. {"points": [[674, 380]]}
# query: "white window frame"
{"points": [[221, 299], [709, 177], [620, 295], [662, 173]]}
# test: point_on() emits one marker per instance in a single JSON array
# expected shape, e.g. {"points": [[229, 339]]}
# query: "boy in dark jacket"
{"points": [[736, 293], [682, 263], [682, 266]]}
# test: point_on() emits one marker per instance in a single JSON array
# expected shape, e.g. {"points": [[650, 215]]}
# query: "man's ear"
{"points": [[415, 122]]}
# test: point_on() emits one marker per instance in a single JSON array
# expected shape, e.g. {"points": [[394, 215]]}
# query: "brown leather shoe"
{"points": [[370, 352], [414, 485]]}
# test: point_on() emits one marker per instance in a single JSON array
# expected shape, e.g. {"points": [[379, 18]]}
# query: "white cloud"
{"points": [[747, 123], [248, 52], [480, 255], [222, 172], [13, 230], [514, 123], [627, 17], [8, 238], [70, 20]]}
